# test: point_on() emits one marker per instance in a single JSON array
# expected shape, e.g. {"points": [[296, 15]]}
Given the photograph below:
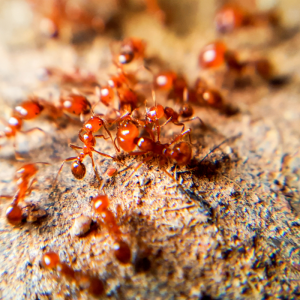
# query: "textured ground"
{"points": [[230, 230]]}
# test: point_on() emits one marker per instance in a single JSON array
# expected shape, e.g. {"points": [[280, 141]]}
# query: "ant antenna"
{"points": [[216, 147]]}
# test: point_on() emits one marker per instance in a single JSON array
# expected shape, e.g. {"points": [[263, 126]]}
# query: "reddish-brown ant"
{"points": [[216, 54], [122, 251], [94, 286], [231, 17], [26, 110], [25, 180], [89, 140]]}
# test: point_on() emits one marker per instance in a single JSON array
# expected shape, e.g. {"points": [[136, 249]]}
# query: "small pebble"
{"points": [[81, 226]]}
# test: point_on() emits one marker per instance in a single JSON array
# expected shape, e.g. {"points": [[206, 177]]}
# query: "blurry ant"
{"points": [[25, 178], [122, 251], [216, 54], [76, 78], [93, 285], [231, 17], [26, 110]]}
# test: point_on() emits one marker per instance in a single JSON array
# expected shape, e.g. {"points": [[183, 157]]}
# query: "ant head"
{"points": [[165, 80], [50, 260], [169, 112], [93, 124], [101, 202], [155, 113], [26, 171], [78, 169], [212, 55], [228, 18], [106, 94]]}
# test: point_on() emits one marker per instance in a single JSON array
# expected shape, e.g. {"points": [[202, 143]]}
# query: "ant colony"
{"points": [[127, 114]]}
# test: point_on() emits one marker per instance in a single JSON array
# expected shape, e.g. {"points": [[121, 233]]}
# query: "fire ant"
{"points": [[25, 181], [89, 140], [122, 251], [216, 54], [26, 110], [231, 17], [76, 78], [93, 285]]}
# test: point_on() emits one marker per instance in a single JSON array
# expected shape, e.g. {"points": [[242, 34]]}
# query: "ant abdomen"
{"points": [[122, 252], [14, 214], [186, 111], [78, 169], [28, 110], [126, 135]]}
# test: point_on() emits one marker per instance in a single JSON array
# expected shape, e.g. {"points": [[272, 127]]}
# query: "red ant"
{"points": [[231, 17], [26, 110], [76, 78], [94, 286], [216, 54], [121, 249], [89, 140], [25, 181]]}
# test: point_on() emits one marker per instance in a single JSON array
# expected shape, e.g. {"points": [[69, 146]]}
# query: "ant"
{"points": [[26, 110], [216, 54], [89, 140], [76, 78], [25, 178], [122, 251], [93, 285], [231, 17]]}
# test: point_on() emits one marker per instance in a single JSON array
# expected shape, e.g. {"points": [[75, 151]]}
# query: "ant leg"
{"points": [[106, 155], [94, 167], [168, 121], [74, 147], [31, 187], [114, 142], [5, 197], [66, 160], [101, 136], [181, 135], [138, 166], [33, 129]]}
